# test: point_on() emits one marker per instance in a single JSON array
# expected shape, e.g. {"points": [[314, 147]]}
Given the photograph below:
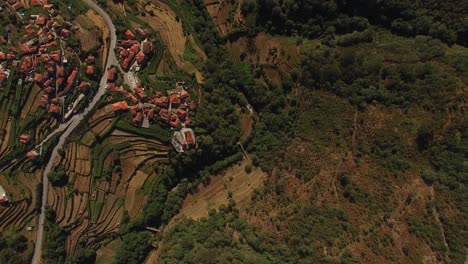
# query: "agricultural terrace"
{"points": [[103, 176]]}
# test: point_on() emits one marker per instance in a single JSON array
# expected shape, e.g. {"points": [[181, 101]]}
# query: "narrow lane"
{"points": [[71, 124]]}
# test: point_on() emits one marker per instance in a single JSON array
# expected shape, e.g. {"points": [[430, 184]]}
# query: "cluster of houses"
{"points": [[132, 52], [38, 55], [173, 109], [32, 49]]}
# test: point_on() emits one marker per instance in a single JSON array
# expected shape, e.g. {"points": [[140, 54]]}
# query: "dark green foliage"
{"points": [[12, 249], [212, 240], [54, 250], [313, 18], [134, 248], [57, 176], [84, 256]]}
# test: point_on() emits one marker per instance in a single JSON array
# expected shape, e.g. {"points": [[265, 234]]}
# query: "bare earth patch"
{"points": [[235, 180], [101, 24]]}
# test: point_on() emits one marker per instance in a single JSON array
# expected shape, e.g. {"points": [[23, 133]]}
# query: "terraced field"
{"points": [[21, 187], [108, 171]]}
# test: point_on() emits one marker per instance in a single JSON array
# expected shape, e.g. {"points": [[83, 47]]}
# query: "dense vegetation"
{"points": [[55, 238], [445, 20], [225, 238], [14, 249], [361, 70]]}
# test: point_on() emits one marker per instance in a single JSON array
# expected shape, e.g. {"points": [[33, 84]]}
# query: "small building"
{"points": [[65, 33], [32, 155], [129, 34], [111, 75], [140, 93], [24, 138], [3, 195], [90, 70], [120, 106]]}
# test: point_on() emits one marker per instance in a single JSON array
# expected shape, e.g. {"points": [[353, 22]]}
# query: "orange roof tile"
{"points": [[129, 34], [122, 105], [90, 69]]}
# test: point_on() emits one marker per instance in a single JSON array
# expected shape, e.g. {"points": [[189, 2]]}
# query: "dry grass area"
{"points": [[246, 125], [105, 253], [87, 32], [171, 31], [33, 101], [260, 50], [101, 24], [21, 190], [235, 180], [220, 12]]}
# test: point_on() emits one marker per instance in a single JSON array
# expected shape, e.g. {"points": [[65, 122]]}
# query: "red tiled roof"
{"points": [[129, 34], [161, 101], [140, 57], [124, 53], [189, 138], [41, 20], [111, 75], [90, 59], [24, 138], [150, 114], [140, 93], [192, 106], [128, 43], [174, 99], [38, 78], [122, 105], [137, 118], [90, 69], [35, 2], [135, 48], [53, 108], [181, 113], [184, 94], [175, 121], [72, 76], [84, 86], [26, 64], [65, 33], [164, 114], [17, 5], [134, 109], [32, 155], [49, 89], [60, 71]]}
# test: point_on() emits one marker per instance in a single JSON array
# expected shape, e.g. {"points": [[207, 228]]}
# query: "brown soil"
{"points": [[101, 24], [171, 31], [235, 180], [31, 105], [246, 125]]}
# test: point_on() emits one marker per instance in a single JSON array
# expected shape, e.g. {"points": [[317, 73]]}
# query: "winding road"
{"points": [[68, 127]]}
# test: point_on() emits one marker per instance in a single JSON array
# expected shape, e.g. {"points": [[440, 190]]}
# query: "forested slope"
{"points": [[364, 140]]}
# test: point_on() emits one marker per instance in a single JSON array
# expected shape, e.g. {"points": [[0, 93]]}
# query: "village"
{"points": [[39, 53], [173, 108]]}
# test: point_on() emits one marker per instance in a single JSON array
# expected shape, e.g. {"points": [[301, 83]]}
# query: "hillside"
{"points": [[251, 131]]}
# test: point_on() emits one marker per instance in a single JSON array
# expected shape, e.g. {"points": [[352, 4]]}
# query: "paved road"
{"points": [[68, 127]]}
